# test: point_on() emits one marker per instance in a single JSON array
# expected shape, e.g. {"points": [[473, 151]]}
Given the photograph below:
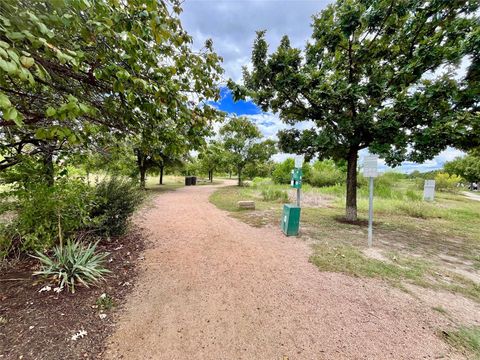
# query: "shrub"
{"points": [[283, 171], [445, 182], [45, 214], [326, 173], [72, 264], [115, 201], [272, 194]]}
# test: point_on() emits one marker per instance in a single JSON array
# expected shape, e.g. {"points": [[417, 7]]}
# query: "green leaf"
{"points": [[13, 115], [8, 66], [4, 101], [4, 45], [50, 112], [27, 62], [16, 36]]}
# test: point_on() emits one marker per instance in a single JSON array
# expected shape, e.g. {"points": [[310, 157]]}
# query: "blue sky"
{"points": [[231, 24]]}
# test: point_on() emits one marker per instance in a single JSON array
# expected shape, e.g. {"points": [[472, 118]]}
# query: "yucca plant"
{"points": [[72, 264]]}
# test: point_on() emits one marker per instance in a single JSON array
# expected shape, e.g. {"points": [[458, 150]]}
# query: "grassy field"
{"points": [[431, 245]]}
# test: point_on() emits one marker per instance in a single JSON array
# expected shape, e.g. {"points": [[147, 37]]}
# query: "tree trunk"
{"points": [[48, 168], [143, 171], [351, 203], [211, 175], [160, 181], [239, 172]]}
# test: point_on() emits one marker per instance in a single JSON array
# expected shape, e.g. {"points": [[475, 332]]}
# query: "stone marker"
{"points": [[429, 190], [246, 204]]}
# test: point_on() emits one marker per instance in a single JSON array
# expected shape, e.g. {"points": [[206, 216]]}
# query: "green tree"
{"points": [[74, 71], [376, 74], [242, 139], [467, 167], [212, 157]]}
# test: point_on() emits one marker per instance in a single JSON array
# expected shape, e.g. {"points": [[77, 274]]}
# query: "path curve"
{"points": [[212, 287], [471, 195]]}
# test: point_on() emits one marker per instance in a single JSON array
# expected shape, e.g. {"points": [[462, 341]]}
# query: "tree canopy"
{"points": [[72, 71], [376, 74], [468, 167], [242, 139]]}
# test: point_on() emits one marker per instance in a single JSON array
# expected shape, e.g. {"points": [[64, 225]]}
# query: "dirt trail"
{"points": [[213, 287]]}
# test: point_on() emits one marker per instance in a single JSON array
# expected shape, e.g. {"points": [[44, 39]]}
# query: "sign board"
{"points": [[429, 190], [299, 161], [370, 167]]}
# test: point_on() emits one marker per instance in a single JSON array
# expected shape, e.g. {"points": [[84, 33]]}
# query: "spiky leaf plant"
{"points": [[72, 264]]}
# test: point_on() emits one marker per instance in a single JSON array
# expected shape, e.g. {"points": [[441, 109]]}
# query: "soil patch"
{"points": [[40, 325]]}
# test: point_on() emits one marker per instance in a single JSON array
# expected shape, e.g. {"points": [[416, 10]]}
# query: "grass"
{"points": [[105, 302], [349, 260], [412, 235], [440, 309], [465, 338]]}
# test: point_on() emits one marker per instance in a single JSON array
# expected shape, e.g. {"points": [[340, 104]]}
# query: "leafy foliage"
{"points": [[467, 167], [115, 201], [446, 182], [282, 172], [47, 214], [212, 157], [88, 73], [73, 264], [377, 75], [241, 139]]}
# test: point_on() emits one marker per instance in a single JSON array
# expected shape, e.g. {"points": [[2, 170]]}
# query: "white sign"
{"points": [[299, 161], [429, 190], [370, 168]]}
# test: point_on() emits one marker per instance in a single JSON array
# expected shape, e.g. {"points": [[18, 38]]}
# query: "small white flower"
{"points": [[45, 288], [31, 327], [102, 316], [79, 335], [58, 290], [103, 296]]}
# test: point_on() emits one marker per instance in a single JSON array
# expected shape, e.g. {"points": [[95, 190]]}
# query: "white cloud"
{"points": [[232, 25]]}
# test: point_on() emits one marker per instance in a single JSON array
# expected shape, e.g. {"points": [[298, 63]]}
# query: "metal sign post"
{"points": [[370, 170], [298, 165]]}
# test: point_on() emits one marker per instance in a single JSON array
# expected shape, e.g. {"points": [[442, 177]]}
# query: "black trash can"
{"points": [[188, 180], [194, 180]]}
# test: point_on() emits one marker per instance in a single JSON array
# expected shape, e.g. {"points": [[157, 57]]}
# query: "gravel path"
{"points": [[213, 287]]}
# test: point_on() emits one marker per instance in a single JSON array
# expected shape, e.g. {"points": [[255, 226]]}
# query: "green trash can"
{"points": [[290, 219]]}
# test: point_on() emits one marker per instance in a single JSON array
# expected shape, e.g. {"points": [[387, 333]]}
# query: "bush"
{"points": [[272, 194], [283, 171], [45, 214], [326, 173], [115, 201], [72, 264], [445, 182]]}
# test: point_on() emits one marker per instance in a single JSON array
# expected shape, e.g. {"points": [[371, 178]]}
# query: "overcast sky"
{"points": [[232, 24]]}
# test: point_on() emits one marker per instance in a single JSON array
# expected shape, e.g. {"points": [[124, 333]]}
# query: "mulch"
{"points": [[40, 325]]}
